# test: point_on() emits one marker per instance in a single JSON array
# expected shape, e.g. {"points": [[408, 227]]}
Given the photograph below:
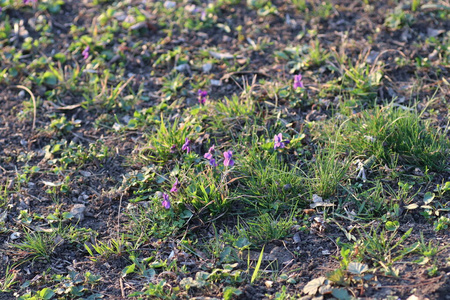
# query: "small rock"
{"points": [[297, 238], [170, 4], [433, 56], [22, 94], [3, 216], [216, 82], [126, 119], [207, 67], [78, 211], [431, 32], [372, 57], [14, 236], [85, 173], [281, 255], [117, 126], [22, 205], [183, 68]]}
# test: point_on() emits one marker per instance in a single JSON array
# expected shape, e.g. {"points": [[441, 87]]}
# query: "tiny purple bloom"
{"points": [[202, 96], [173, 148], [298, 82], [85, 52], [186, 146], [29, 1], [166, 202], [228, 162], [210, 153], [212, 162], [279, 143], [175, 186]]}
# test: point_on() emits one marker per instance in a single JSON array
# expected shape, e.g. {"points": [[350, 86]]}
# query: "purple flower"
{"points": [[85, 52], [173, 148], [202, 96], [213, 163], [210, 153], [279, 143], [29, 1], [186, 146], [228, 162], [166, 202], [175, 186], [298, 82]]}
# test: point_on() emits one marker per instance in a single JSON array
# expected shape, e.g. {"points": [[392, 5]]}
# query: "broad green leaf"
{"points": [[46, 294], [428, 197], [230, 291], [49, 78], [341, 294], [446, 186], [392, 225], [128, 269], [242, 243]]}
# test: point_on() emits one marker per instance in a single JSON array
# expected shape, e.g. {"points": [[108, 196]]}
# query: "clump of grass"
{"points": [[163, 139], [269, 183], [266, 228], [37, 245], [390, 132], [329, 170]]}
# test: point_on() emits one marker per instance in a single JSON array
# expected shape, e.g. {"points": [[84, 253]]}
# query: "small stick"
{"points": [[121, 287], [34, 103]]}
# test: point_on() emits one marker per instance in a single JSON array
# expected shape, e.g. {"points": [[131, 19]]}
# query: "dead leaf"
{"points": [[434, 32], [218, 55]]}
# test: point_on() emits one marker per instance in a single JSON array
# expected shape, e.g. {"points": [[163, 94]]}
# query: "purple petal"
{"points": [[212, 162], [166, 202], [175, 186], [228, 162], [228, 154], [85, 52]]}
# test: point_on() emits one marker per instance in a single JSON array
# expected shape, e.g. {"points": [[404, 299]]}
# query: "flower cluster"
{"points": [[166, 201], [209, 156], [228, 162], [298, 83], [175, 186], [279, 143], [202, 96], [85, 52], [186, 146]]}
